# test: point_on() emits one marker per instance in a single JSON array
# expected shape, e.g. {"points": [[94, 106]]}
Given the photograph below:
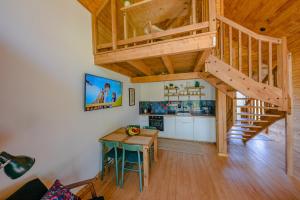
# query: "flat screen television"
{"points": [[101, 93]]}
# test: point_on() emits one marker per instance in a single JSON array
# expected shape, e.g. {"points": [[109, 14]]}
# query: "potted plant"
{"points": [[126, 3]]}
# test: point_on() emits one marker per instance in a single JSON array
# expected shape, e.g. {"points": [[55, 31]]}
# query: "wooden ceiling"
{"points": [[279, 17]]}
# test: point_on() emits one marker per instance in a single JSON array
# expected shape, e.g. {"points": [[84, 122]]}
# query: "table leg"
{"points": [[146, 166], [155, 149]]}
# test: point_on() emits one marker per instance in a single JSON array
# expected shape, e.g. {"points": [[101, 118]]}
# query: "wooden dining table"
{"points": [[146, 138]]}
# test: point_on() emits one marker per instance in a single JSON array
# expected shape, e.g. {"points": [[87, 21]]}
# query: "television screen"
{"points": [[102, 93]]}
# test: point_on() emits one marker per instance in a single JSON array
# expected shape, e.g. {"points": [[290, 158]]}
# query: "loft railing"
{"points": [[111, 33]]}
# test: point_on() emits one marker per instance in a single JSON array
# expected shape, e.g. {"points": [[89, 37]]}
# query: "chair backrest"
{"points": [[110, 144], [107, 145], [132, 147]]}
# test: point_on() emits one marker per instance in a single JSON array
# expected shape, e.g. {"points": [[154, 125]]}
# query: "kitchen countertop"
{"points": [[192, 115]]}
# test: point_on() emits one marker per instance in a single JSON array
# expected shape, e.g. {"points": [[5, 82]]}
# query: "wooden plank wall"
{"points": [[296, 108]]}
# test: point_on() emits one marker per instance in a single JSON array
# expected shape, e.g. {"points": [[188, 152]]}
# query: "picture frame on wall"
{"points": [[131, 96]]}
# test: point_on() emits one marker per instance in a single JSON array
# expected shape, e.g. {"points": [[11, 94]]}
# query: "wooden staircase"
{"points": [[251, 117], [255, 66]]}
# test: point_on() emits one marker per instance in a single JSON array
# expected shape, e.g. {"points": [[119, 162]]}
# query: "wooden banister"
{"points": [[234, 35], [248, 31]]}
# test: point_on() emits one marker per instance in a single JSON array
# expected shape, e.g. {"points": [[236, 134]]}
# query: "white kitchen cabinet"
{"points": [[144, 120], [184, 128], [169, 127], [205, 129]]}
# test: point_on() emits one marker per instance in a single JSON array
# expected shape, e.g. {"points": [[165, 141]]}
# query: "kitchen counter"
{"points": [[192, 115], [194, 127]]}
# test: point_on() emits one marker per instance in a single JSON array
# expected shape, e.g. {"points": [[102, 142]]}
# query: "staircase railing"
{"points": [[248, 51]]}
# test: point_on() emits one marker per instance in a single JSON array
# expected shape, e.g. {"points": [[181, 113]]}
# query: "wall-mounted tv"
{"points": [[101, 93]]}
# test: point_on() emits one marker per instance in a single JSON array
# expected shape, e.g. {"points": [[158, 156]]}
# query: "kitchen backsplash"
{"points": [[171, 107]]}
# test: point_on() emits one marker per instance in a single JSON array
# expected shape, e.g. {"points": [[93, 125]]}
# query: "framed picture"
{"points": [[131, 96]]}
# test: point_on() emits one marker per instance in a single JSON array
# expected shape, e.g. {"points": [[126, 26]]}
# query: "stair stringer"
{"points": [[243, 83]]}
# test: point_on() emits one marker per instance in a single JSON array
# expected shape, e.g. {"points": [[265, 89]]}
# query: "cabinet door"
{"points": [[205, 129], [169, 127], [184, 128], [144, 120]]}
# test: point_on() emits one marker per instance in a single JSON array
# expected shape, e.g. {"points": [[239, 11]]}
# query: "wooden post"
{"points": [[114, 23], [250, 56], [289, 141], [259, 62], [230, 46], [240, 51], [279, 65], [270, 75], [212, 15], [221, 124], [222, 40], [125, 27], [285, 75]]}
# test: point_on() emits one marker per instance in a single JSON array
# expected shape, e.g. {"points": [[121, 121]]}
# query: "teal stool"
{"points": [[132, 155], [111, 152]]}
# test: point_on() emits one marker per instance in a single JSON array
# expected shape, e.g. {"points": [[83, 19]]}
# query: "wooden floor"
{"points": [[254, 171]]}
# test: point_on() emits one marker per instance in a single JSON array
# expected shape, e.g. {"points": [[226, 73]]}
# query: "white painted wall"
{"points": [[45, 49], [155, 91]]}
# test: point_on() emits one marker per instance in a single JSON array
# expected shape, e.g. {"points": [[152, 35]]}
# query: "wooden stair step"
{"points": [[246, 130], [255, 114], [243, 98], [262, 107], [238, 133], [247, 126], [251, 120], [236, 138]]}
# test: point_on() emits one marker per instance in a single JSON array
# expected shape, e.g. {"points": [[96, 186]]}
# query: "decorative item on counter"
{"points": [[133, 130], [166, 87], [197, 84]]}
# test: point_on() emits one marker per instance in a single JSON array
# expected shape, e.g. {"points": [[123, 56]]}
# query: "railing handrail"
{"points": [[166, 33], [248, 31]]}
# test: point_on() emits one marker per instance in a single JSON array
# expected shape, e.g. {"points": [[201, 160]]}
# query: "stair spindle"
{"points": [[250, 56], [240, 51], [270, 65]]}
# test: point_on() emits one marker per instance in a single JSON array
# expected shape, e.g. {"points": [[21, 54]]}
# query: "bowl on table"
{"points": [[133, 130]]}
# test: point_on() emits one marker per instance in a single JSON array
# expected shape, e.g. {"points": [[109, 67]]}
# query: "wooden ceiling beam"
{"points": [[179, 45], [201, 60], [121, 70], [167, 77], [141, 66], [168, 63]]}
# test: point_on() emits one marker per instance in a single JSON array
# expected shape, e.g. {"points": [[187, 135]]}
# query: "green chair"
{"points": [[152, 146], [110, 153], [132, 155]]}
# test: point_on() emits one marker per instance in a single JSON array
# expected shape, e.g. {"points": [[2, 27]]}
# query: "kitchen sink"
{"points": [[185, 114]]}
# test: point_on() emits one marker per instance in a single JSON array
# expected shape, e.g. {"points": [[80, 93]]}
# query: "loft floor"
{"points": [[248, 173]]}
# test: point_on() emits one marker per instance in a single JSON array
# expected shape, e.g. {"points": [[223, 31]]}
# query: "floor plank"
{"points": [[254, 171]]}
